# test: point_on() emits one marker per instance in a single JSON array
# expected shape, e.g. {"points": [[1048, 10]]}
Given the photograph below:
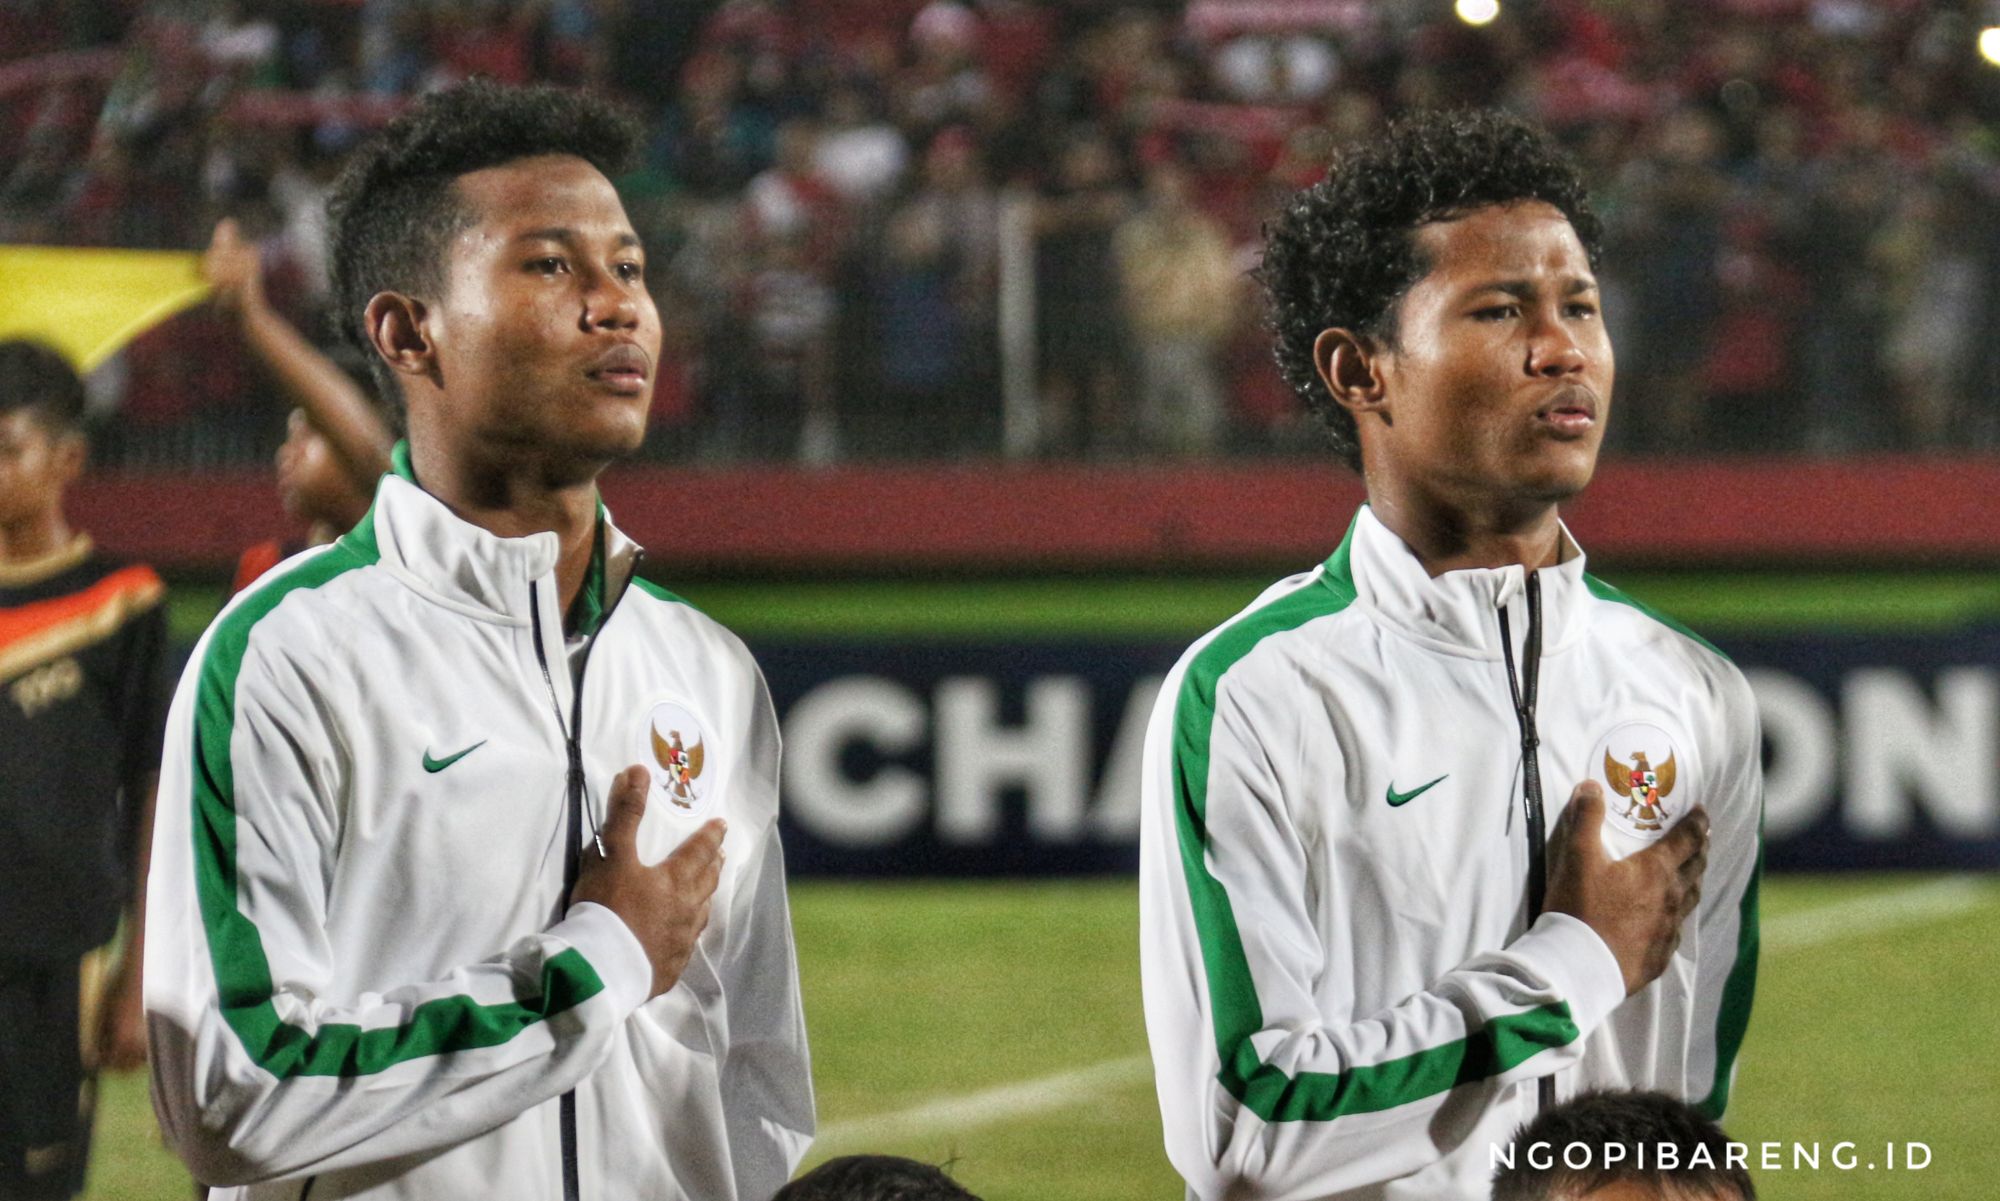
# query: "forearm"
{"points": [[337, 407], [1306, 1104], [254, 1088]]}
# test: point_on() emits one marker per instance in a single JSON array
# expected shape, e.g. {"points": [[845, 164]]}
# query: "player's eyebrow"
{"points": [[1522, 288], [563, 233]]}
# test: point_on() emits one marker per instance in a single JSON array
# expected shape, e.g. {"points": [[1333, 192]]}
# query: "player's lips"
{"points": [[623, 368], [1571, 413]]}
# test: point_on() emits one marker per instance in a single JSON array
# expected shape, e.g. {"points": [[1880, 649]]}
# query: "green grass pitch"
{"points": [[1872, 1025]]}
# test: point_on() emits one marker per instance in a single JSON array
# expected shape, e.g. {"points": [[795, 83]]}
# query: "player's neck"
{"points": [[1453, 537], [36, 536], [515, 499]]}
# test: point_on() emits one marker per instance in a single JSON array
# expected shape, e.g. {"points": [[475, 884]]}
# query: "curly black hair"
{"points": [[874, 1178], [393, 210], [36, 377], [1544, 1164], [1342, 253]]}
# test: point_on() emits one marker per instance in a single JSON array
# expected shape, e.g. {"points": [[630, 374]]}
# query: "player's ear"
{"points": [[1349, 364], [72, 455], [396, 325]]}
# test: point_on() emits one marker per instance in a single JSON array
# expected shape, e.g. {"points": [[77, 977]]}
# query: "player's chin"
{"points": [[606, 427], [1557, 471]]}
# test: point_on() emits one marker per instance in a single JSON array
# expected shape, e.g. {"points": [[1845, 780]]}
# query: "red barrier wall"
{"points": [[1882, 510]]}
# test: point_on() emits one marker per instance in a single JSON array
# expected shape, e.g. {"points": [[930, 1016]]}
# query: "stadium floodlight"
{"points": [[1477, 12], [1989, 44]]}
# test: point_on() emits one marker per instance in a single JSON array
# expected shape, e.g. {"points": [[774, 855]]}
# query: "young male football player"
{"points": [[1444, 828], [82, 699], [435, 916]]}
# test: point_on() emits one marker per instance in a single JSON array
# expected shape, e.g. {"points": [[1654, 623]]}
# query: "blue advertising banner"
{"points": [[1022, 758]]}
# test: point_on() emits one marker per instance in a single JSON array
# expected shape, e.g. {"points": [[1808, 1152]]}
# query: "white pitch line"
{"points": [[970, 1111], [1914, 905], [1911, 906]]}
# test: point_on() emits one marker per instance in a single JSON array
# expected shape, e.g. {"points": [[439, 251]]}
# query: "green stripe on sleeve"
{"points": [[236, 948], [1496, 1047], [1271, 1093], [1732, 1020]]}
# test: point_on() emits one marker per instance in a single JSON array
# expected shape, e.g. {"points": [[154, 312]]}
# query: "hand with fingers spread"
{"points": [[666, 904], [1636, 904]]}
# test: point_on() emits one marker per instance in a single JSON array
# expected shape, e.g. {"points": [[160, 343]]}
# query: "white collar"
{"points": [[475, 570], [1458, 612]]}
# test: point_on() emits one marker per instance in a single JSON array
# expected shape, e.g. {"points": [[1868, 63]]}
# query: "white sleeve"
{"points": [[260, 1070], [1726, 922], [766, 1083], [1262, 1094], [767, 1095]]}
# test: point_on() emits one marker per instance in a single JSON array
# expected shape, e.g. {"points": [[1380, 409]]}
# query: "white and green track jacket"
{"points": [[1343, 993], [361, 980]]}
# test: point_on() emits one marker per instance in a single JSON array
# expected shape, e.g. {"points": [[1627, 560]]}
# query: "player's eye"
{"points": [[548, 265], [1498, 312], [629, 272], [1583, 309]]}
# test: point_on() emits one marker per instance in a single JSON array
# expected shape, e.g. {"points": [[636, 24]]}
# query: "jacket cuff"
{"points": [[1582, 969], [613, 951]]}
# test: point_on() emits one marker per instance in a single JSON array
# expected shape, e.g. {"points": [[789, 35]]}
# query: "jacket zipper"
{"points": [[1523, 686], [577, 813]]}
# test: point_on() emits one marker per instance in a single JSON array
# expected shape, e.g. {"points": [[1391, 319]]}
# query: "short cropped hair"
{"points": [[1341, 254], [1641, 1125], [874, 1178], [393, 211], [36, 377]]}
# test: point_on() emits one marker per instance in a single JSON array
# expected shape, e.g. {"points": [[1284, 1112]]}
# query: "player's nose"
{"points": [[1554, 351], [611, 303]]}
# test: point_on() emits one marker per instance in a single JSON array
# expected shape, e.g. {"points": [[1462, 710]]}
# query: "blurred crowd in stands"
{"points": [[970, 228]]}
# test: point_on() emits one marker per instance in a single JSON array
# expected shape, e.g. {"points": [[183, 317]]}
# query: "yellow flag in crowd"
{"points": [[87, 303]]}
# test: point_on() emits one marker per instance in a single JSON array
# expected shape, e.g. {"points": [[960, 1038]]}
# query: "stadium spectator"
{"points": [[1183, 290], [1081, 323], [785, 358], [1664, 235], [1622, 1146], [931, 337], [82, 640], [860, 153], [1936, 277]]}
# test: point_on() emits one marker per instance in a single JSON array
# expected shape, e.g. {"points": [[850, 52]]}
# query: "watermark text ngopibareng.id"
{"points": [[1770, 1156]]}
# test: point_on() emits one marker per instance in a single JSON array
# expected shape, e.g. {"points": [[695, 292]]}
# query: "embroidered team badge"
{"points": [[1641, 769], [681, 755], [1645, 787]]}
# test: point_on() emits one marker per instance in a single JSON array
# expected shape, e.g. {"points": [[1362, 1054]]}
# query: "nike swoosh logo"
{"points": [[1404, 798], [438, 765]]}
